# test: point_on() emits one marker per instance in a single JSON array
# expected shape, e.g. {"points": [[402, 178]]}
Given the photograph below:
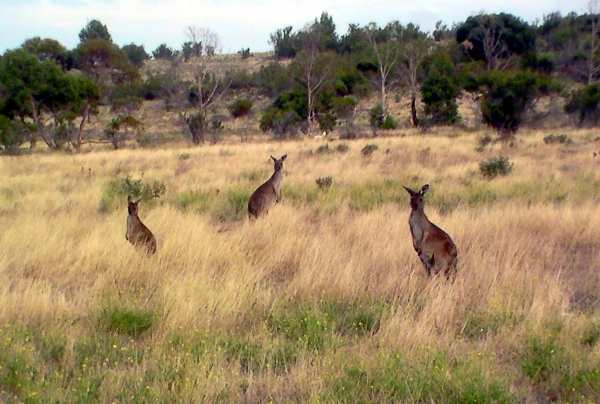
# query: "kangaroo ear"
{"points": [[410, 191], [283, 157], [274, 159], [424, 189], [138, 201], [129, 198]]}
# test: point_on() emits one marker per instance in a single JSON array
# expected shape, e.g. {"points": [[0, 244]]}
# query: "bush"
{"points": [[323, 149], [240, 107], [324, 183], [124, 187], [368, 149], [342, 148], [495, 166], [564, 139]]}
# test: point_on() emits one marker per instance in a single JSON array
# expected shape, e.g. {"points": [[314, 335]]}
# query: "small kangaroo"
{"points": [[137, 232], [269, 193], [434, 246]]}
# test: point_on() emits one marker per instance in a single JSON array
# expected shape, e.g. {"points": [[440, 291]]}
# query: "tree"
{"points": [[414, 48], [136, 54], [592, 66], [206, 87], [495, 39], [43, 93], [584, 103], [440, 88], [46, 49], [314, 70], [506, 95], [386, 47], [164, 52], [94, 30], [282, 41], [116, 131], [105, 64]]}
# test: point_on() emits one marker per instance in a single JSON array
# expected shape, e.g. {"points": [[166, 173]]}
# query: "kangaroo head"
{"points": [[279, 162], [132, 207], [416, 198]]}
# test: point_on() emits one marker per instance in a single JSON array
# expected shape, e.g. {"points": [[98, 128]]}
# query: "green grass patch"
{"points": [[432, 377], [371, 195], [132, 322]]}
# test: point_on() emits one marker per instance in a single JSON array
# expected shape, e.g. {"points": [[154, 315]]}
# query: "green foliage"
{"points": [[432, 377], [199, 201], [120, 189], [245, 53], [342, 148], [324, 183], [240, 107], [369, 149], [116, 130], [389, 123], [511, 36], [94, 30], [323, 149], [563, 139], [47, 49], [136, 54], [371, 195], [234, 207], [132, 322], [283, 42], [558, 373], [506, 97], [496, 166], [583, 103], [440, 89], [376, 118], [164, 52], [191, 49]]}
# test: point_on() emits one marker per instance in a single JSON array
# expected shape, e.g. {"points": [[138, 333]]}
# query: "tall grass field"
{"points": [[323, 300]]}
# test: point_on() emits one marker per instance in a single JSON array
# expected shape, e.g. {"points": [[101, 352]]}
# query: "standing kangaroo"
{"points": [[137, 232], [434, 246], [269, 193]]}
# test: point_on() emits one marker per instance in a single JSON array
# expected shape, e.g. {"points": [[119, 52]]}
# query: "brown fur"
{"points": [[434, 246], [137, 232], [269, 193]]}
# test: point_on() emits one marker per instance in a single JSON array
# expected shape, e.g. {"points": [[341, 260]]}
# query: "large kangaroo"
{"points": [[269, 193], [137, 232], [434, 246]]}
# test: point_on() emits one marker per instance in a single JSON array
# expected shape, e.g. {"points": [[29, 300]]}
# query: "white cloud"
{"points": [[239, 23]]}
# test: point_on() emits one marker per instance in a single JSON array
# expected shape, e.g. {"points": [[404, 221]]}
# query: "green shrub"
{"points": [[389, 123], [120, 189], [550, 139], [323, 149], [240, 107], [495, 166], [342, 148], [199, 200], [324, 183], [368, 149]]}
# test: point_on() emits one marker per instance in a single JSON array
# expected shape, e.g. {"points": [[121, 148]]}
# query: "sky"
{"points": [[239, 24]]}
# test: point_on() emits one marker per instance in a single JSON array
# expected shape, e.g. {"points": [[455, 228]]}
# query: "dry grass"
{"points": [[324, 300]]}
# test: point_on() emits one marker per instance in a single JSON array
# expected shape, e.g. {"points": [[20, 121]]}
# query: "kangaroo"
{"points": [[434, 246], [137, 232], [269, 193]]}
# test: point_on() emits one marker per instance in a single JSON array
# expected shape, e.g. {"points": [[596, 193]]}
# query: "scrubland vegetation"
{"points": [[324, 299]]}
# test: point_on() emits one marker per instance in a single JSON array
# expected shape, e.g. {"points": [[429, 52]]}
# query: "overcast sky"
{"points": [[238, 23]]}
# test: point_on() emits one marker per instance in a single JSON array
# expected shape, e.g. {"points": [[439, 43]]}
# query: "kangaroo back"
{"points": [[269, 193], [434, 246], [137, 233]]}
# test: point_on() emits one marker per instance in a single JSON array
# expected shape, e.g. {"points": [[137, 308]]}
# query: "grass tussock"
{"points": [[323, 300]]}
